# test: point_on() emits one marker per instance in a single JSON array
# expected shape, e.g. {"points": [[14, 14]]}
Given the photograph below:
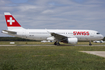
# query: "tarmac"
{"points": [[98, 53], [49, 45], [27, 45]]}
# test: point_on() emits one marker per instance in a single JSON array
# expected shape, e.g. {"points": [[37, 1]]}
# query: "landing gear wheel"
{"points": [[90, 43], [57, 43]]}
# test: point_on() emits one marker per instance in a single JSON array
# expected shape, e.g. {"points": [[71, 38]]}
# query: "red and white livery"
{"points": [[54, 35]]}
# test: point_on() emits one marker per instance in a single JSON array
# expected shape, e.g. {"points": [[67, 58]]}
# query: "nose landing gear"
{"points": [[90, 43]]}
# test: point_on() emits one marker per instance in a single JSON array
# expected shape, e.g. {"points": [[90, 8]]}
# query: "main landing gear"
{"points": [[57, 43], [90, 43]]}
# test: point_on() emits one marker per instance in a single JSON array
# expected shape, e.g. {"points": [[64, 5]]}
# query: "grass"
{"points": [[50, 58]]}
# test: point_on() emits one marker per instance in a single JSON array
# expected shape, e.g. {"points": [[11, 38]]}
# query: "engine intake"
{"points": [[71, 41]]}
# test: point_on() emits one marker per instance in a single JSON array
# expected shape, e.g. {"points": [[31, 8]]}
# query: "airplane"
{"points": [[69, 36]]}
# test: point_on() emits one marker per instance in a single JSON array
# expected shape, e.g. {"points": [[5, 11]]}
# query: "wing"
{"points": [[61, 37], [58, 36]]}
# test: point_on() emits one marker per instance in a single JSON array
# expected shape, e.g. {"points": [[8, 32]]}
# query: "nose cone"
{"points": [[101, 36]]}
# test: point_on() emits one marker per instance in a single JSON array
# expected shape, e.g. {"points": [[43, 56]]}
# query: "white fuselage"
{"points": [[44, 34], [55, 35]]}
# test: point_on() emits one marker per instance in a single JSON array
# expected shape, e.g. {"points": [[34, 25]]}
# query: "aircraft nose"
{"points": [[101, 36]]}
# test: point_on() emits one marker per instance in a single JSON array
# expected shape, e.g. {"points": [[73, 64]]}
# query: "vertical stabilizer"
{"points": [[11, 22]]}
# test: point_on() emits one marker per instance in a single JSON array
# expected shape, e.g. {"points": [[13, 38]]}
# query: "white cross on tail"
{"points": [[10, 20]]}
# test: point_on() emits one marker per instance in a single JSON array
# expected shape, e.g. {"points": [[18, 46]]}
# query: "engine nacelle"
{"points": [[72, 40]]}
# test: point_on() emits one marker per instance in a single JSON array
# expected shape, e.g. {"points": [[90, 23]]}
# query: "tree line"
{"points": [[14, 39]]}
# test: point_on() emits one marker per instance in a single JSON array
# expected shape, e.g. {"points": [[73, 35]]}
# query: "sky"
{"points": [[55, 14]]}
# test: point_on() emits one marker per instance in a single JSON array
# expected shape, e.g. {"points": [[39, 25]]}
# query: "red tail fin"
{"points": [[11, 21]]}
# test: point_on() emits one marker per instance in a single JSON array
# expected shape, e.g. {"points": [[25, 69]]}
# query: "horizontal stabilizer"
{"points": [[8, 32]]}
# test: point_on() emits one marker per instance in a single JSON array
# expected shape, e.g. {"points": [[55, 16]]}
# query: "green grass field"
{"points": [[50, 57]]}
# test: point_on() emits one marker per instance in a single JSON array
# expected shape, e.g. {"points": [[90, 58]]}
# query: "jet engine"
{"points": [[71, 41]]}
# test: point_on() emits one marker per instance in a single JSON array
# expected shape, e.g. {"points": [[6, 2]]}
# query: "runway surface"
{"points": [[49, 45], [98, 53], [27, 45]]}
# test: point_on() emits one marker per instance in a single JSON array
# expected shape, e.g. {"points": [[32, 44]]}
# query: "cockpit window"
{"points": [[98, 33]]}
